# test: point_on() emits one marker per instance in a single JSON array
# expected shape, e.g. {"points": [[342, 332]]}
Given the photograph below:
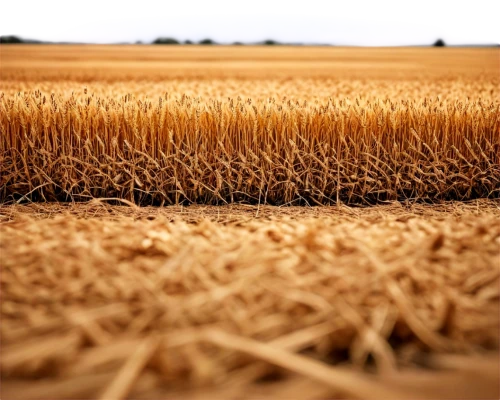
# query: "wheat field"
{"points": [[275, 141], [249, 222]]}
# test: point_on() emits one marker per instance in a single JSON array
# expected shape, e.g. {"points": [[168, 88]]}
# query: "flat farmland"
{"points": [[245, 221], [157, 63]]}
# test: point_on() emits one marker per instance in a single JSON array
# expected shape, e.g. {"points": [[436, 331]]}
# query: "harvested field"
{"points": [[196, 301], [193, 222]]}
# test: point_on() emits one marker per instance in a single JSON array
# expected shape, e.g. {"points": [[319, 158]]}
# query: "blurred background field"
{"points": [[156, 63]]}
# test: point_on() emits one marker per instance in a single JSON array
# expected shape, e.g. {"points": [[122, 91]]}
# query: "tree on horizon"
{"points": [[166, 40], [439, 43], [270, 42], [207, 42]]}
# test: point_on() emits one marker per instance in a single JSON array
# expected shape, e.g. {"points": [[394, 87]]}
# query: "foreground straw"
{"points": [[359, 303]]}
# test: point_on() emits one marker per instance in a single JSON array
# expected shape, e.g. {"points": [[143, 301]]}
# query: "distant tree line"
{"points": [[169, 40], [161, 40], [172, 40], [268, 42]]}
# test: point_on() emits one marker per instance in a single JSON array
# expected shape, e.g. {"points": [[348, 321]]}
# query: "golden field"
{"points": [[157, 63], [249, 222], [279, 141]]}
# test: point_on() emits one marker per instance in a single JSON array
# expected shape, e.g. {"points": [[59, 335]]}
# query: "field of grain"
{"points": [[276, 141], [249, 222]]}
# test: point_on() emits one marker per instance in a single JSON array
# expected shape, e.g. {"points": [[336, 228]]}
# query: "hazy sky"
{"points": [[291, 24]]}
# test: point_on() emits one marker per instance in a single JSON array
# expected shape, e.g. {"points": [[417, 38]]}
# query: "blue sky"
{"points": [[310, 25]]}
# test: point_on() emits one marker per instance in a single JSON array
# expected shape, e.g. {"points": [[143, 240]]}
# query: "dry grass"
{"points": [[213, 302]]}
